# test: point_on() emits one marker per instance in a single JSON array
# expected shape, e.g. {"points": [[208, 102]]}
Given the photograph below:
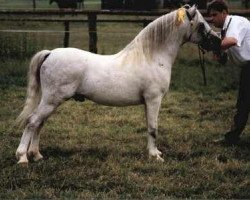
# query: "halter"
{"points": [[201, 51], [205, 36], [190, 17]]}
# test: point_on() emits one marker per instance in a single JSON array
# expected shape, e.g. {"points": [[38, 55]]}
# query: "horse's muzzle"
{"points": [[209, 39], [210, 42]]}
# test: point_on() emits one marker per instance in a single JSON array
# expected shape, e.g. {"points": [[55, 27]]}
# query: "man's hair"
{"points": [[217, 5]]}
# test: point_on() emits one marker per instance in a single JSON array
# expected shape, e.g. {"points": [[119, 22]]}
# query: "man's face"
{"points": [[218, 18]]}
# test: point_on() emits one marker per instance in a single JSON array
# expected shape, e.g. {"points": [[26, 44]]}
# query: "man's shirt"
{"points": [[239, 28]]}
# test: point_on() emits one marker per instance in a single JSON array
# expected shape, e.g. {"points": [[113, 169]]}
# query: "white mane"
{"points": [[152, 38]]}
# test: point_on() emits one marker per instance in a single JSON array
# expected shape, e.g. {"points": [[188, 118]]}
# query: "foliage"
{"points": [[15, 46]]}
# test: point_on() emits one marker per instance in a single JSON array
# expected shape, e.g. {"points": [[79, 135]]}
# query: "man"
{"points": [[236, 41]]}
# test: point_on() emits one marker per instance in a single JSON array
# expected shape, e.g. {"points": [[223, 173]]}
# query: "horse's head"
{"points": [[200, 32]]}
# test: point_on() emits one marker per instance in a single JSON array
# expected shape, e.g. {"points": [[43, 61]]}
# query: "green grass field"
{"points": [[94, 151]]}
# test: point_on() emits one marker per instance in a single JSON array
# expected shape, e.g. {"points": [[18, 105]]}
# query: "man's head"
{"points": [[218, 11]]}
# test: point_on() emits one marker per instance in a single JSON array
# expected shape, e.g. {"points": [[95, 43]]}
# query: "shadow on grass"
{"points": [[243, 148], [244, 143], [56, 152]]}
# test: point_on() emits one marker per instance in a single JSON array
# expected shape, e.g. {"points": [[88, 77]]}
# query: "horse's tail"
{"points": [[33, 96]]}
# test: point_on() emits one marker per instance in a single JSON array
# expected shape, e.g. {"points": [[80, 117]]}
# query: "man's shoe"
{"points": [[230, 138]]}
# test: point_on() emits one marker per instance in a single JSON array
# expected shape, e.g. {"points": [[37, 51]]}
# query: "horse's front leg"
{"points": [[152, 107]]}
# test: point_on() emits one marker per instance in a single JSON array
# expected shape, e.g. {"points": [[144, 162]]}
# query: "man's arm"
{"points": [[228, 42]]}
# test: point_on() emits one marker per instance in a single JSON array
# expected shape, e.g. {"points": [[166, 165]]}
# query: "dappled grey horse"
{"points": [[139, 74]]}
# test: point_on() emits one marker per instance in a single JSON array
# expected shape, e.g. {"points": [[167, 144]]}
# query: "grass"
{"points": [[94, 151], [101, 151]]}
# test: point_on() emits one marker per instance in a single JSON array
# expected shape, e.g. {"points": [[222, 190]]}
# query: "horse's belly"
{"points": [[112, 95], [116, 101]]}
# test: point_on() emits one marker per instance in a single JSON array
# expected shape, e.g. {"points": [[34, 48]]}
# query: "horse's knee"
{"points": [[34, 123]]}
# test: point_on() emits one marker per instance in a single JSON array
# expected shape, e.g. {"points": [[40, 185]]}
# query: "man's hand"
{"points": [[226, 43]]}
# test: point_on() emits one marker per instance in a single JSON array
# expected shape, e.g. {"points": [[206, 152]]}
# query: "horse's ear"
{"points": [[192, 11]]}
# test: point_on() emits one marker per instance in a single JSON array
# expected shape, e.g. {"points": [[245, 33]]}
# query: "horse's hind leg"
{"points": [[152, 110], [44, 110], [33, 150], [30, 139]]}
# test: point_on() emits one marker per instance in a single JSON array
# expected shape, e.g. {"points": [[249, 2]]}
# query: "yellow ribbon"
{"points": [[181, 14]]}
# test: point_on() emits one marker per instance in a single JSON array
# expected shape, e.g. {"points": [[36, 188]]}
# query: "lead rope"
{"points": [[202, 64]]}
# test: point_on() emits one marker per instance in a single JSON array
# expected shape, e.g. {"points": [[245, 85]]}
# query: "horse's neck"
{"points": [[172, 51], [161, 39], [167, 54]]}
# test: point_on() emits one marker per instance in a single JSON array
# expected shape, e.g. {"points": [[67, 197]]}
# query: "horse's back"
{"points": [[77, 57]]}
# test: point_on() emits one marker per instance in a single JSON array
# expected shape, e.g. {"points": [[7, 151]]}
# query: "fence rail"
{"points": [[92, 19], [242, 12], [92, 27]]}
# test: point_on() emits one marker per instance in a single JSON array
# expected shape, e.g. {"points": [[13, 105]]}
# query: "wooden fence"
{"points": [[67, 17]]}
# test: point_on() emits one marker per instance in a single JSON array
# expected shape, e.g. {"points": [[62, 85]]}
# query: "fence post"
{"points": [[92, 32], [246, 4], [66, 34], [34, 4]]}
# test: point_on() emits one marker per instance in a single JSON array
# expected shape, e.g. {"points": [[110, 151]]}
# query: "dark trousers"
{"points": [[243, 101]]}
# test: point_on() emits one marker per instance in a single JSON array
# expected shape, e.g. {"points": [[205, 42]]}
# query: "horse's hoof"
{"points": [[21, 157], [159, 152], [157, 157], [37, 157], [23, 164], [156, 154], [23, 161]]}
